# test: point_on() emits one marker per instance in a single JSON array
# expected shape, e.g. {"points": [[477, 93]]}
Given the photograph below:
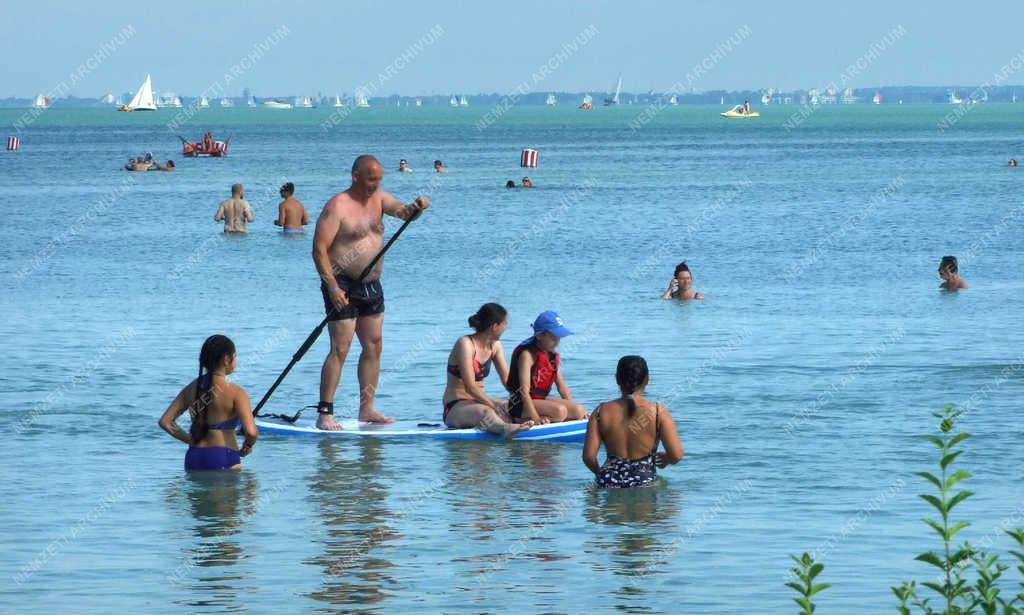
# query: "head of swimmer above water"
{"points": [[683, 276], [632, 376], [238, 191], [948, 267], [287, 189], [367, 174]]}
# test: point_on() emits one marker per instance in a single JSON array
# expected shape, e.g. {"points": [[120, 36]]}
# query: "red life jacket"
{"points": [[542, 374]]}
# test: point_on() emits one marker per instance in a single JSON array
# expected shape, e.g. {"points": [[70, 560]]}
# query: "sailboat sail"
{"points": [[464, 101], [614, 100], [551, 101], [41, 102], [337, 101], [143, 99], [674, 100], [362, 101], [453, 101], [203, 102], [252, 101]]}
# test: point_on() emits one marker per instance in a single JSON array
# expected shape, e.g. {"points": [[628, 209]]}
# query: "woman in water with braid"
{"points": [[466, 403], [217, 408], [630, 429]]}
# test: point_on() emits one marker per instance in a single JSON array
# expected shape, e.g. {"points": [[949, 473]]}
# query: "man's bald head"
{"points": [[363, 163]]}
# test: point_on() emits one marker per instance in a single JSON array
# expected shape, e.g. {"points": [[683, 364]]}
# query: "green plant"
{"points": [[806, 570], [954, 587]]}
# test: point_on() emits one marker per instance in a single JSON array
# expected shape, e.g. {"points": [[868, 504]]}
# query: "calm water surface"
{"points": [[799, 386]]}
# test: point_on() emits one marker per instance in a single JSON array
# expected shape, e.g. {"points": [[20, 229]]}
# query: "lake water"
{"points": [[800, 386]]}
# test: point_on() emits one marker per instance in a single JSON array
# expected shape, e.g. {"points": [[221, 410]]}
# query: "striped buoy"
{"points": [[528, 158], [13, 143]]}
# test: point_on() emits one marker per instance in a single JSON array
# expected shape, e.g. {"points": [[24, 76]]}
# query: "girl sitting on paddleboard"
{"points": [[630, 429], [466, 404], [534, 370], [217, 408]]}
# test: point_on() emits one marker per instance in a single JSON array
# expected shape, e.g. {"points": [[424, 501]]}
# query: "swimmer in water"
{"points": [[948, 271], [217, 408], [403, 166], [681, 285], [291, 213]]}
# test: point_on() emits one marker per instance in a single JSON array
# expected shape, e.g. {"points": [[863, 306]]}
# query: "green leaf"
{"points": [[796, 587], [815, 570], [955, 478], [935, 587], [959, 525], [938, 527], [960, 497], [930, 558], [937, 441], [958, 438], [948, 459], [934, 501], [931, 478], [819, 587]]}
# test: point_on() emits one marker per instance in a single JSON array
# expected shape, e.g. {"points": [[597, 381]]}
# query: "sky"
{"points": [[438, 47]]}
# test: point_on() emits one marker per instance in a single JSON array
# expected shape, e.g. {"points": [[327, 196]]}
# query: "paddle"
{"points": [[306, 345]]}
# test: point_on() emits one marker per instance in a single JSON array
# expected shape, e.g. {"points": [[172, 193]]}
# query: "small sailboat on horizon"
{"points": [[674, 101], [143, 99], [337, 101], [588, 102], [41, 102], [551, 100], [614, 99], [362, 101]]}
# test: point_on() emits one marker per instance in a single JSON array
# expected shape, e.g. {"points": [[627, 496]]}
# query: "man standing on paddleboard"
{"points": [[349, 234]]}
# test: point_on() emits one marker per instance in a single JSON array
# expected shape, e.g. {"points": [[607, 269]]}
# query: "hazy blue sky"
{"points": [[494, 47]]}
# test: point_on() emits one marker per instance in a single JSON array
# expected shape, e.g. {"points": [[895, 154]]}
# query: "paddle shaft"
{"points": [[306, 345]]}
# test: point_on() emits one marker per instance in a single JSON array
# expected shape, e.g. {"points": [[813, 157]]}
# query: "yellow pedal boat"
{"points": [[737, 111]]}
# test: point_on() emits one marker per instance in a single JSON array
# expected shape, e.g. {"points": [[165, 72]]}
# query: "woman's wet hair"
{"points": [[215, 348], [488, 314], [510, 184], [630, 375], [288, 188], [681, 267], [948, 262]]}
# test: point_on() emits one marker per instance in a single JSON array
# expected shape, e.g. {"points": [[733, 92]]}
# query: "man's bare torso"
{"points": [[293, 213], [234, 214], [360, 235]]}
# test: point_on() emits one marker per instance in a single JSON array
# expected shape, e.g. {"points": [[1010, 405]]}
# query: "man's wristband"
{"points": [[333, 289]]}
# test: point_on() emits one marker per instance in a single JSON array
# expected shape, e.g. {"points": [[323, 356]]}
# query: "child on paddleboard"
{"points": [[534, 369]]}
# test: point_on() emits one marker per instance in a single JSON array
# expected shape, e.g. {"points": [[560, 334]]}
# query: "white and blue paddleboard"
{"points": [[570, 431]]}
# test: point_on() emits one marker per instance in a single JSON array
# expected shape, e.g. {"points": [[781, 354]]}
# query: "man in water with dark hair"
{"points": [[291, 213], [349, 234], [949, 272]]}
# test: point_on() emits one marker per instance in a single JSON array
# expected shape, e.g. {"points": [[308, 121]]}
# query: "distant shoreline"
{"points": [[890, 95]]}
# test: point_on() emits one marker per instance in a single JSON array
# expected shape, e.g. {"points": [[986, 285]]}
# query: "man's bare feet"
{"points": [[326, 422], [375, 417], [513, 428]]}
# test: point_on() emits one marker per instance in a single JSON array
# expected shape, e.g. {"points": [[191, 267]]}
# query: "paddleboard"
{"points": [[570, 431]]}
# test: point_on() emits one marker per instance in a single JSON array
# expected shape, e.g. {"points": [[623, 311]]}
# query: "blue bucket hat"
{"points": [[550, 322]]}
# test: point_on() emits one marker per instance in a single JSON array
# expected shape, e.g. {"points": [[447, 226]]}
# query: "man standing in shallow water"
{"points": [[235, 212], [349, 234]]}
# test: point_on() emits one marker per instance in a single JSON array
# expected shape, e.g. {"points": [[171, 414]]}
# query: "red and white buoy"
{"points": [[528, 158], [13, 143]]}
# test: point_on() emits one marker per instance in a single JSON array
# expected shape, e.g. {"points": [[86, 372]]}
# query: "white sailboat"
{"points": [[588, 102], [119, 102], [226, 102], [877, 99], [307, 102], [143, 99], [1013, 96], [419, 102], [362, 101], [614, 99], [41, 102], [674, 101], [204, 103], [251, 103], [464, 101], [955, 99], [337, 101], [551, 100], [453, 101]]}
